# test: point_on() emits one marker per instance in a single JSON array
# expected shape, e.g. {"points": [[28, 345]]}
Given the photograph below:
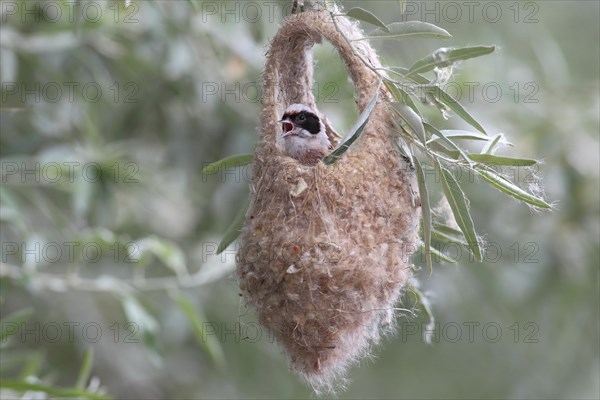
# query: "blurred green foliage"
{"points": [[109, 229]]}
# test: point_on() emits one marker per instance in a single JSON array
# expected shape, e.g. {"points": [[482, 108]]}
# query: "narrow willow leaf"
{"points": [[490, 159], [355, 131], [489, 147], [23, 386], [460, 208], [443, 97], [438, 255], [11, 324], [364, 15], [511, 189], [443, 57], [86, 369], [137, 314], [209, 343], [195, 5], [402, 96], [411, 119], [424, 302], [11, 211], [445, 238], [415, 29], [169, 253], [238, 160], [446, 229], [403, 149], [401, 5], [417, 78], [234, 230], [426, 211], [439, 149], [443, 139], [458, 134], [33, 365]]}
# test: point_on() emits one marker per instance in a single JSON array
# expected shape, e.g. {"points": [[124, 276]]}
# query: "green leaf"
{"points": [[10, 209], [446, 229], [437, 148], [11, 324], [208, 342], [169, 253], [414, 29], [86, 369], [142, 319], [490, 159], [426, 305], [235, 161], [402, 96], [234, 229], [355, 131], [23, 386], [403, 149], [458, 134], [364, 15], [195, 4], [426, 211], [443, 139], [450, 102], [420, 79], [401, 5], [411, 119], [445, 57], [438, 255], [33, 364], [489, 147], [505, 186], [460, 208], [441, 236]]}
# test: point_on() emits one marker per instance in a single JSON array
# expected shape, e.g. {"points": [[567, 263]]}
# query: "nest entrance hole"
{"points": [[333, 89]]}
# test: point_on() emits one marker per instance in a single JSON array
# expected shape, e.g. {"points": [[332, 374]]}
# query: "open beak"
{"points": [[287, 128]]}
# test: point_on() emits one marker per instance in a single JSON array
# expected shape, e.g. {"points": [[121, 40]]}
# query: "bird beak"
{"points": [[287, 128]]}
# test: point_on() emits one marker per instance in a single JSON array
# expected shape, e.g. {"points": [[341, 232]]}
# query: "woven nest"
{"points": [[325, 249]]}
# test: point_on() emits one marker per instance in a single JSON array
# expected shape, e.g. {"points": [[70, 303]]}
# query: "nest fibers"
{"points": [[325, 249]]}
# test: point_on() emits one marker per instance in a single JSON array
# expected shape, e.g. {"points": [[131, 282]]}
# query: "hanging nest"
{"points": [[325, 249]]}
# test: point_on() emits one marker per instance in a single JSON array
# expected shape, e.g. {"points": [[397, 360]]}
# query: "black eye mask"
{"points": [[310, 122]]}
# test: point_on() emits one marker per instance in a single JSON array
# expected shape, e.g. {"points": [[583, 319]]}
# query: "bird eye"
{"points": [[301, 118]]}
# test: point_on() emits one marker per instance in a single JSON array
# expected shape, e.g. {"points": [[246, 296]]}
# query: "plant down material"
{"points": [[325, 250]]}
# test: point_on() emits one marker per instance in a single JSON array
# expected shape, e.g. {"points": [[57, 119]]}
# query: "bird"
{"points": [[304, 135]]}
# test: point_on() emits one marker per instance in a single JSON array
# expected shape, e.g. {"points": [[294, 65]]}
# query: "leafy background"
{"points": [[165, 112]]}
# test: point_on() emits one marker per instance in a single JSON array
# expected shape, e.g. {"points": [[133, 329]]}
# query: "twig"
{"points": [[426, 151], [57, 283]]}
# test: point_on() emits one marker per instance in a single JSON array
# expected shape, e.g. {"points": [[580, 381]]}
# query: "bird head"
{"points": [[303, 131], [301, 121]]}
